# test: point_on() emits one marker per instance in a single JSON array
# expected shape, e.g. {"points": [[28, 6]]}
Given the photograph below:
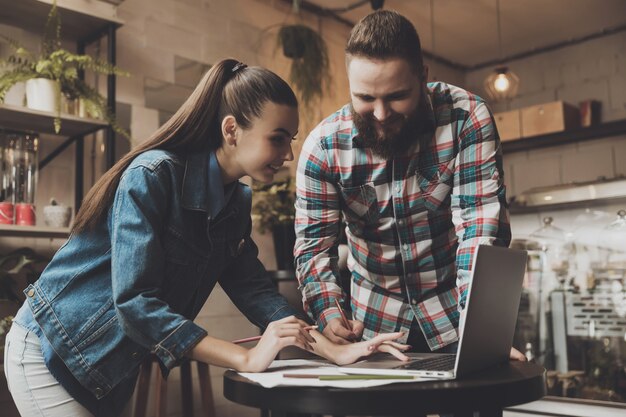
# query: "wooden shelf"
{"points": [[23, 118], [80, 20], [604, 130], [9, 230], [582, 204]]}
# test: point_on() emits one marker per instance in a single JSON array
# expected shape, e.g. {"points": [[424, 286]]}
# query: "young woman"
{"points": [[151, 240]]}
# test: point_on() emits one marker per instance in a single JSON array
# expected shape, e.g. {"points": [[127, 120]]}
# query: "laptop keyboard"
{"points": [[438, 363]]}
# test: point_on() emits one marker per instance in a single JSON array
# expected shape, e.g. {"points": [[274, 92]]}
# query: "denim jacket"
{"points": [[132, 286]]}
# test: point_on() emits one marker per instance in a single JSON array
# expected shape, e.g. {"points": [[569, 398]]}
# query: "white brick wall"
{"points": [[591, 70]]}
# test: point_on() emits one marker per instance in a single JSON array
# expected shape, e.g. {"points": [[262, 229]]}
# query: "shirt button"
{"points": [[400, 222], [405, 246], [31, 292], [413, 301], [98, 391], [134, 355]]}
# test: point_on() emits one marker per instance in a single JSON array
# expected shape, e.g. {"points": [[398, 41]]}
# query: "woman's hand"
{"points": [[279, 334], [343, 354]]}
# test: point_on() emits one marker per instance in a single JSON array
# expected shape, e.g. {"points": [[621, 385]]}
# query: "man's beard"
{"points": [[389, 145]]}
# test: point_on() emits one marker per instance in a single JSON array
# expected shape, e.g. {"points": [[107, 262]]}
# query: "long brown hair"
{"points": [[228, 88]]}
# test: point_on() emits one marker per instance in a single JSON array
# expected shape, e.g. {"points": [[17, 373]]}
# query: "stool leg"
{"points": [[186, 389], [206, 392], [161, 395], [143, 388]]}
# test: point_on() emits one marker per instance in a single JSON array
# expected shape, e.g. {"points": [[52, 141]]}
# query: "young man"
{"points": [[415, 171]]}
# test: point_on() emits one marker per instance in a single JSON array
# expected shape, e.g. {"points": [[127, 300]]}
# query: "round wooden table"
{"points": [[488, 392]]}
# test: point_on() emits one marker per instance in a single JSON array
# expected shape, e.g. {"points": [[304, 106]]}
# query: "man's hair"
{"points": [[386, 34]]}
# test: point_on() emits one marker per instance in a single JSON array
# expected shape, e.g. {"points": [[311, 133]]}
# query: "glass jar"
{"points": [[23, 163]]}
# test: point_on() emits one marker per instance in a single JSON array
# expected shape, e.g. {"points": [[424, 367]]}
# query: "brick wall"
{"points": [[594, 69]]}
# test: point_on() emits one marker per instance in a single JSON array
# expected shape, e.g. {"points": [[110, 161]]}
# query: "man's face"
{"points": [[386, 96]]}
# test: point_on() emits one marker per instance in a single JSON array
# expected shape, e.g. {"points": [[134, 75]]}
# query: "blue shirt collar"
{"points": [[202, 185]]}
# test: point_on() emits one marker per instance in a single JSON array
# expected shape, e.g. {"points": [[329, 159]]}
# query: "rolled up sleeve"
{"points": [[479, 207]]}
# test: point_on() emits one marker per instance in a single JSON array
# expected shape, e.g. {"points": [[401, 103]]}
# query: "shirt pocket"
{"points": [[435, 183], [360, 204]]}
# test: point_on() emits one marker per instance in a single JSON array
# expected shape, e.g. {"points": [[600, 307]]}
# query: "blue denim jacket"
{"points": [[133, 285]]}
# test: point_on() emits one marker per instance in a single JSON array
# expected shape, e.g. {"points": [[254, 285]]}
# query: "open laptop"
{"points": [[485, 338]]}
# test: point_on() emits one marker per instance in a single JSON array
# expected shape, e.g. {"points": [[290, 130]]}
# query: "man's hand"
{"points": [[516, 355], [337, 333]]}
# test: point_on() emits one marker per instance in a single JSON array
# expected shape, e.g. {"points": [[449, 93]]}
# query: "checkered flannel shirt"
{"points": [[413, 223]]}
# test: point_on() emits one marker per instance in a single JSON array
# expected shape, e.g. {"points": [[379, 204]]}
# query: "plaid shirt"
{"points": [[413, 223]]}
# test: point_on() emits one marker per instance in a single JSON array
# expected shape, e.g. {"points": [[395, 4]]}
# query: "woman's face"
{"points": [[263, 148]]}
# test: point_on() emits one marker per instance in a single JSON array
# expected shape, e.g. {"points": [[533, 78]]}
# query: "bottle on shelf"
{"points": [[23, 163]]}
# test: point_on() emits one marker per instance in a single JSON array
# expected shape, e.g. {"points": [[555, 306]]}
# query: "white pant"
{"points": [[33, 388]]}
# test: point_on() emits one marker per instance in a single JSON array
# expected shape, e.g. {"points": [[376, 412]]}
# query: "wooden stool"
{"points": [[160, 383]]}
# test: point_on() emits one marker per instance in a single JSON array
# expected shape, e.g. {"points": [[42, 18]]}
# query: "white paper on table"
{"points": [[273, 377]]}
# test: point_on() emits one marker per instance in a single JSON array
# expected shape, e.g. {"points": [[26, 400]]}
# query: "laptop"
{"points": [[487, 335]]}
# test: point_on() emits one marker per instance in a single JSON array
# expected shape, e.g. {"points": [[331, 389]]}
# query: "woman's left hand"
{"points": [[350, 353]]}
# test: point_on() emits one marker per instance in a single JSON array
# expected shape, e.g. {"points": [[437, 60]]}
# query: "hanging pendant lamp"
{"points": [[502, 83]]}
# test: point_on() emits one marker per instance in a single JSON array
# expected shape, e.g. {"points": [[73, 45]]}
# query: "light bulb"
{"points": [[501, 83]]}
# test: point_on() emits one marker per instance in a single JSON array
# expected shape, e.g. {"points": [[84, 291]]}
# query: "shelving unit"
{"points": [[23, 118], [82, 22], [604, 130], [10, 230], [78, 25]]}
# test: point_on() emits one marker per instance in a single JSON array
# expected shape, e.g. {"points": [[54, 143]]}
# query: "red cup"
{"points": [[6, 213], [25, 214]]}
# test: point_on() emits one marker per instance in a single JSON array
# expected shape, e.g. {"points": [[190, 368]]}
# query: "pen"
{"points": [[345, 377], [344, 319], [255, 338]]}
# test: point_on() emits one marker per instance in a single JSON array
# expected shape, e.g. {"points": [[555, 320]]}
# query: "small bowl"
{"points": [[57, 216]]}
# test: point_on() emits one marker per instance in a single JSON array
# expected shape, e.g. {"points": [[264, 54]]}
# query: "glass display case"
{"points": [[572, 316]]}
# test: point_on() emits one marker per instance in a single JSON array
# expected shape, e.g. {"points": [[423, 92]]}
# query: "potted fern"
{"points": [[274, 210], [53, 75]]}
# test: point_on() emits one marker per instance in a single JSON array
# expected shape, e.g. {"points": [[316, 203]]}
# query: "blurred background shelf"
{"points": [[603, 130], [9, 230], [82, 20], [23, 118]]}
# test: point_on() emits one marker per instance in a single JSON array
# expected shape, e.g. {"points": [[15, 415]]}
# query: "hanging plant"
{"points": [[310, 67]]}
